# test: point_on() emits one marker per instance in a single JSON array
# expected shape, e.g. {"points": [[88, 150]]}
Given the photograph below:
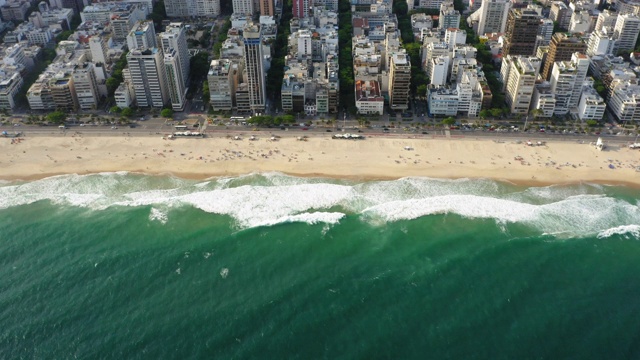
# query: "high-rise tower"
{"points": [[243, 7], [301, 8], [148, 77], [493, 16], [142, 36], [175, 37], [522, 29], [399, 82], [254, 67], [561, 48], [626, 31], [267, 8]]}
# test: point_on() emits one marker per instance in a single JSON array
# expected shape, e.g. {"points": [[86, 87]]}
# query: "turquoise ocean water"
{"points": [[267, 266]]}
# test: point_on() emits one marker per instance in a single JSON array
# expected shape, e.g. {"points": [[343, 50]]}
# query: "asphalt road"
{"points": [[159, 128]]}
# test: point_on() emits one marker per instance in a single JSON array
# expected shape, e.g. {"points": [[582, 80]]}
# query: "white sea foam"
{"points": [[157, 215], [272, 198], [633, 230]]}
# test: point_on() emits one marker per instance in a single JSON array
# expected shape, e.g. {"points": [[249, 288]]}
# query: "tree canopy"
{"points": [[166, 113], [57, 117], [200, 65], [449, 121], [127, 111]]}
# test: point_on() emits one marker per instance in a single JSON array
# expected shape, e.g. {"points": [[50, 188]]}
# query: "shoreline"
{"points": [[203, 177], [376, 158]]}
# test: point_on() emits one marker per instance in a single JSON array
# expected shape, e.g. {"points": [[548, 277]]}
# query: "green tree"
{"points": [[484, 114], [127, 112], [57, 117], [64, 35], [288, 119], [158, 14], [115, 109], [592, 123], [422, 90], [496, 112], [167, 113], [200, 65], [400, 8], [449, 121], [536, 113], [206, 94]]}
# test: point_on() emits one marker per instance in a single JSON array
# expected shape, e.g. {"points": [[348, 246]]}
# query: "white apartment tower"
{"points": [[86, 86], [399, 82], [98, 49], [521, 82], [493, 16], [243, 7], [175, 82], [175, 37], [148, 78], [142, 36], [606, 19], [439, 70], [304, 44], [255, 76], [449, 17], [192, 8], [209, 8], [222, 78], [545, 30], [626, 30], [178, 8], [567, 79], [601, 43], [625, 102]]}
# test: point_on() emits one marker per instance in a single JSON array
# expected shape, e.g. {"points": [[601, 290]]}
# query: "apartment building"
{"points": [[562, 47], [492, 16], [10, 84], [142, 36], [561, 14], [369, 100], [399, 82], [86, 86], [591, 106], [625, 102], [148, 77], [254, 68], [223, 78], [521, 32], [520, 82], [566, 82], [626, 32]]}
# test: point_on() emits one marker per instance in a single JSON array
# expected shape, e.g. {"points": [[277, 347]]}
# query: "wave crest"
{"points": [[633, 230], [272, 198]]}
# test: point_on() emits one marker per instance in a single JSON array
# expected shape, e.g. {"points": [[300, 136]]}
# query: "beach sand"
{"points": [[320, 156]]}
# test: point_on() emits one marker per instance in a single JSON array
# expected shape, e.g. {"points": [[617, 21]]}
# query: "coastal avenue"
{"points": [[160, 128]]}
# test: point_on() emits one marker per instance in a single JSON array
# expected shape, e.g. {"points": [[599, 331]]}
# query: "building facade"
{"points": [[562, 47], [399, 82], [148, 77], [254, 69], [522, 29]]}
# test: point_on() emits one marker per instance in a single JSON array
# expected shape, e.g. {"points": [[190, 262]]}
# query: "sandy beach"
{"points": [[320, 155]]}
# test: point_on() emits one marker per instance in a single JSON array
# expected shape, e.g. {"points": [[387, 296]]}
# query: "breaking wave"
{"points": [[272, 198], [624, 230]]}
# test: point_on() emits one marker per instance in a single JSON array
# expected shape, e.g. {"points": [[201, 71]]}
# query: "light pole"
{"points": [[525, 123]]}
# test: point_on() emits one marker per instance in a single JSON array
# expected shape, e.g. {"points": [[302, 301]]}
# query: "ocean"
{"points": [[269, 266]]}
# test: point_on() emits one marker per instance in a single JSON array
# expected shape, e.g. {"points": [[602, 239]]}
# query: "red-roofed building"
{"points": [[360, 26], [369, 100]]}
